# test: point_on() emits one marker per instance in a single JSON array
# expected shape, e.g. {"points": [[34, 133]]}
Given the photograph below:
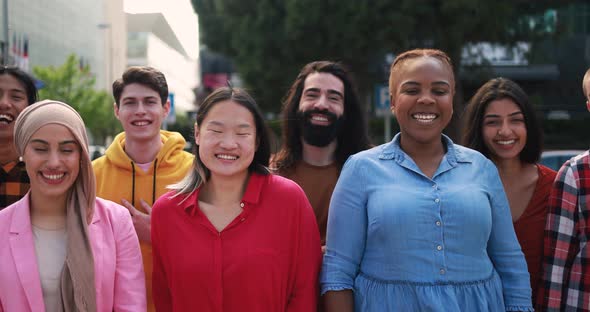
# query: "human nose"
{"points": [[425, 98], [504, 129], [4, 102], [141, 109], [54, 159], [321, 103], [228, 142]]}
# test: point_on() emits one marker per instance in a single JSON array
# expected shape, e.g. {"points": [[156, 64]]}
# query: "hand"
{"points": [[141, 221], [323, 249]]}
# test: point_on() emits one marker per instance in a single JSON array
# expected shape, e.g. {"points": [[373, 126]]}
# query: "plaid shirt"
{"points": [[566, 277], [14, 183]]}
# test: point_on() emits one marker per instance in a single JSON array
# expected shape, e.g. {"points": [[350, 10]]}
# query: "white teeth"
{"points": [[422, 117], [228, 157], [506, 142], [319, 118], [54, 176], [140, 123], [6, 118]]}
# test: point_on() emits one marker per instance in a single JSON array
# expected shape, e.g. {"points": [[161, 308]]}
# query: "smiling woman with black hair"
{"points": [[231, 236], [501, 124]]}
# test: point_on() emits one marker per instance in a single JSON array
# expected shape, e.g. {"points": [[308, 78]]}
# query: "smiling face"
{"points": [[504, 129], [52, 159], [321, 108], [227, 140], [13, 99], [422, 99], [141, 112]]}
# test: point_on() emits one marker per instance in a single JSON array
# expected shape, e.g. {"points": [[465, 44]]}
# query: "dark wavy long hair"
{"points": [[497, 89], [353, 136]]}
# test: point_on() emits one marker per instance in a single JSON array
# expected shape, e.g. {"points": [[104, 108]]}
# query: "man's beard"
{"points": [[319, 135]]}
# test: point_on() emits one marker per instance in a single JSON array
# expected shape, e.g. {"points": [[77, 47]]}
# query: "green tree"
{"points": [[270, 40], [75, 86]]}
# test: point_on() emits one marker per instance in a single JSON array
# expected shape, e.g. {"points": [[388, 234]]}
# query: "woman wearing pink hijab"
{"points": [[61, 247]]}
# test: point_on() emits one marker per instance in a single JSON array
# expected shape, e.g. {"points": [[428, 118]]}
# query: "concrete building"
{"points": [[94, 30], [166, 38]]}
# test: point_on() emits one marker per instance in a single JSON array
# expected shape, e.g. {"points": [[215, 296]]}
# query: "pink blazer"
{"points": [[119, 278]]}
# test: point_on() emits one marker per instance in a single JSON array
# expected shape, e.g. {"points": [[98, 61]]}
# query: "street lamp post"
{"points": [[5, 27], [109, 67]]}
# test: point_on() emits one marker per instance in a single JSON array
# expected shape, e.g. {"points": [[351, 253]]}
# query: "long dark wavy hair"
{"points": [[353, 136], [497, 89]]}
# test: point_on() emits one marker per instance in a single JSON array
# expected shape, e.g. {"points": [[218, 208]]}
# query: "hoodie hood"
{"points": [[171, 152], [170, 166]]}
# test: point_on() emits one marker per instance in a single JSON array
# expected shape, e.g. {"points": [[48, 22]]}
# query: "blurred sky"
{"points": [[179, 13]]}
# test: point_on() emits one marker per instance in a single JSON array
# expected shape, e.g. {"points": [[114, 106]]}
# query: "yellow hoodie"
{"points": [[117, 177]]}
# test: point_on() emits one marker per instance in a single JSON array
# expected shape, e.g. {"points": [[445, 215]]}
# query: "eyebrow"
{"points": [[330, 91], [414, 83], [220, 124], [498, 116], [149, 97], [60, 143]]}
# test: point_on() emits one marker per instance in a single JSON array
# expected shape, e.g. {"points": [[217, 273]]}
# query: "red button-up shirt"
{"points": [[267, 259]]}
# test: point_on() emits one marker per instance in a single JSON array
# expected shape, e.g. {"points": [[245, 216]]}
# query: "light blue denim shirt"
{"points": [[397, 235]]}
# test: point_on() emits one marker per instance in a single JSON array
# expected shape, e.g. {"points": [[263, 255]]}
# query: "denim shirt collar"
{"points": [[453, 156]]}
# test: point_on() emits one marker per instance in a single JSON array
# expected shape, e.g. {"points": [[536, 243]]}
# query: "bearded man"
{"points": [[322, 125]]}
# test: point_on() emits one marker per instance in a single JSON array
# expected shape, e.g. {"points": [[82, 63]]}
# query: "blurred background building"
{"points": [[108, 36], [44, 33]]}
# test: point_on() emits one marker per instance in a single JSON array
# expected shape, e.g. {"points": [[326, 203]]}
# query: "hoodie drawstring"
{"points": [[133, 184], [153, 183]]}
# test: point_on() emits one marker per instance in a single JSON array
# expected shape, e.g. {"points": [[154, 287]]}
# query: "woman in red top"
{"points": [[501, 124], [231, 236]]}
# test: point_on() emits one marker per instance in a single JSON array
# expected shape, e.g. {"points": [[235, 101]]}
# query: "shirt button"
{"points": [[434, 186], [439, 247], [442, 271], [242, 205], [436, 200], [243, 219], [438, 223]]}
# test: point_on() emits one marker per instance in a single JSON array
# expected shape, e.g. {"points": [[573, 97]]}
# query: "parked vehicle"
{"points": [[554, 159]]}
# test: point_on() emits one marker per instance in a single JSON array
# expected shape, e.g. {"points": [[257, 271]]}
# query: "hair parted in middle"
{"points": [[414, 54], [353, 136], [498, 89], [199, 173]]}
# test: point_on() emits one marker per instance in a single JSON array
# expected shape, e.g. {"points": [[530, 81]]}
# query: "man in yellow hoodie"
{"points": [[143, 159]]}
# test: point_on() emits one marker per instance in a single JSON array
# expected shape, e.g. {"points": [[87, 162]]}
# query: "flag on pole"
{"points": [[19, 51], [25, 61], [13, 50]]}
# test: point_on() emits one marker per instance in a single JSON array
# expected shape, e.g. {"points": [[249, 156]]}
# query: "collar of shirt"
{"points": [[251, 196], [453, 155]]}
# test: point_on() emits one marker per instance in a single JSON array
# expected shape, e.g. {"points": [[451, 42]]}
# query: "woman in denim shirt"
{"points": [[422, 224]]}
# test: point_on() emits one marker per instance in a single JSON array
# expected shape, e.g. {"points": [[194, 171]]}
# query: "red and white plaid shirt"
{"points": [[566, 262]]}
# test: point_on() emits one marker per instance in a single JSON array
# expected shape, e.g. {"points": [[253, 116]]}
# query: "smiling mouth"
{"points": [[140, 123], [6, 119], [319, 118], [424, 117], [226, 157], [53, 177], [506, 142]]}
